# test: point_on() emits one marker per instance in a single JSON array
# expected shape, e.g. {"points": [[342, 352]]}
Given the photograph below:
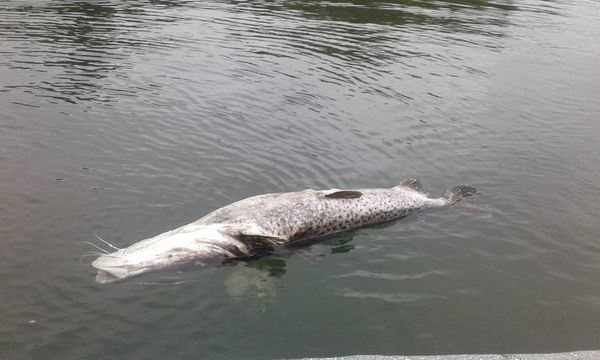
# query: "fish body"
{"points": [[259, 224]]}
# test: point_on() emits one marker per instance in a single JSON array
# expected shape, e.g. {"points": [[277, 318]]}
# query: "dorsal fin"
{"points": [[344, 194], [412, 184]]}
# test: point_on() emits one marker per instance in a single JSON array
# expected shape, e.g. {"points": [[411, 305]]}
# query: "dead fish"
{"points": [[260, 224]]}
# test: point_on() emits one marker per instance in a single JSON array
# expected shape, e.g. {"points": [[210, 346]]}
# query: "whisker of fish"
{"points": [[96, 246], [166, 283], [104, 241], [93, 253], [98, 254]]}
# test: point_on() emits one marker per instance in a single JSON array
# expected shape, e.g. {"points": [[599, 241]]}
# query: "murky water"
{"points": [[129, 118]]}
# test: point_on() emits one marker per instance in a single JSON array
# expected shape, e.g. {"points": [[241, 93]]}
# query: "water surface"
{"points": [[129, 118]]}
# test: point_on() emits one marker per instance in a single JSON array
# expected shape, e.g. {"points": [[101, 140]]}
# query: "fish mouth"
{"points": [[105, 277], [110, 268]]}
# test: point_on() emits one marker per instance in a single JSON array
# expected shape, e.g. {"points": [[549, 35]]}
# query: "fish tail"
{"points": [[458, 192]]}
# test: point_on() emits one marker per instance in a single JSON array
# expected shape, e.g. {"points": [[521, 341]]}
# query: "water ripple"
{"points": [[394, 277], [133, 117]]}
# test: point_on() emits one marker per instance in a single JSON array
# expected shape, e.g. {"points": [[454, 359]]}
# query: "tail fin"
{"points": [[458, 192]]}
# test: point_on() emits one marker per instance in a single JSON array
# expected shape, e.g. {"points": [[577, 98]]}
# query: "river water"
{"points": [[129, 118]]}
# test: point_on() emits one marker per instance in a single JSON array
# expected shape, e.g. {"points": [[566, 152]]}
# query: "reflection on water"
{"points": [[455, 16], [129, 118], [244, 281], [81, 43]]}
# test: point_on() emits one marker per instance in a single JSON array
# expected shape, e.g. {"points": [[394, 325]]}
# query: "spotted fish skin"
{"points": [[258, 224], [303, 215]]}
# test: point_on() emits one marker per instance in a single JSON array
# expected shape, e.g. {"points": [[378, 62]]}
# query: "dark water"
{"points": [[130, 118]]}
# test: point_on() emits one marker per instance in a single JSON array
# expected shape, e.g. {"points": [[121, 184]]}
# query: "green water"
{"points": [[129, 118]]}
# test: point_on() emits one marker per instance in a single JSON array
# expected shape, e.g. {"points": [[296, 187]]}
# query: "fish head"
{"points": [[188, 245]]}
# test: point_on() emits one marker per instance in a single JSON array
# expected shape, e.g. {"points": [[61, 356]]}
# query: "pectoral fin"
{"points": [[344, 194], [260, 242]]}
